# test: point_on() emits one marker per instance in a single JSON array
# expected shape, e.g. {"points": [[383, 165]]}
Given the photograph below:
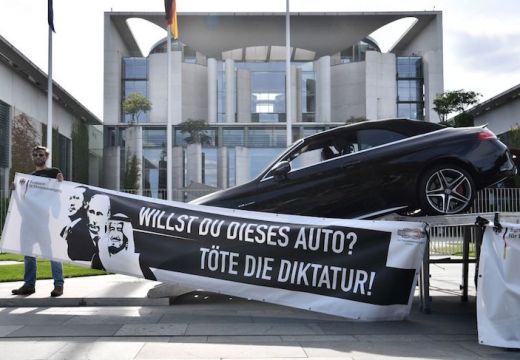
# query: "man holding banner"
{"points": [[39, 156]]}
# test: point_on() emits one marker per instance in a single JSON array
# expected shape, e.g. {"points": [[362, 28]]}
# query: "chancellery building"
{"points": [[229, 70]]}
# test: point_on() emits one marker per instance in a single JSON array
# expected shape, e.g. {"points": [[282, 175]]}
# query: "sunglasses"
{"points": [[38, 155]]}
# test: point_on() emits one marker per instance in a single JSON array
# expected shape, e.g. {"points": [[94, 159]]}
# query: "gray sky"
{"points": [[481, 37]]}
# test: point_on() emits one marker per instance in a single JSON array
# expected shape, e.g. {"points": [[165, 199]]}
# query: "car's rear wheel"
{"points": [[446, 189]]}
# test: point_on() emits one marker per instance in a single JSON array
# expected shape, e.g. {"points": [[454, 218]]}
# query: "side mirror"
{"points": [[281, 169]]}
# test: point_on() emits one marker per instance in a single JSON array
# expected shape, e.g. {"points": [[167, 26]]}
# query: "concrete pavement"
{"points": [[204, 325]]}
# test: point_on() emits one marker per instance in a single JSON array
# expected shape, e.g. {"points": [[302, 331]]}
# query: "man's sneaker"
{"points": [[24, 290], [58, 291]]}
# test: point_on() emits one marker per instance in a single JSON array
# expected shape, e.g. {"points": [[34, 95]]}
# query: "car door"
{"points": [[332, 187], [386, 179]]}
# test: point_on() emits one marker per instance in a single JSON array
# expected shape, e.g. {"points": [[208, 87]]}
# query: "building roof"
{"points": [[323, 33], [496, 101], [20, 64]]}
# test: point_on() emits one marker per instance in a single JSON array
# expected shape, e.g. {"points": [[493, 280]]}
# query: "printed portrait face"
{"points": [[117, 240], [98, 214], [75, 200]]}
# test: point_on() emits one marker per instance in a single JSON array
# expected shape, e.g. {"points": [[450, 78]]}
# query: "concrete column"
{"points": [[242, 169], [381, 85], [178, 172], [323, 99], [193, 163], [112, 165], [298, 100], [243, 96], [295, 95], [212, 90], [176, 87], [222, 168], [230, 91]]}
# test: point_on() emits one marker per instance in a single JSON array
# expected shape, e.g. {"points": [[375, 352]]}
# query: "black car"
{"points": [[373, 168]]}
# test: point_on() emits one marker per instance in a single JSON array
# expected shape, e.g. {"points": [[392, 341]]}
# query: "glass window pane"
{"points": [[233, 137], [135, 68], [209, 169]]}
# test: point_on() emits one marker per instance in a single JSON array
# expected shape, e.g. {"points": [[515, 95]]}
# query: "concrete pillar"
{"points": [[242, 169], [323, 100], [112, 165], [243, 96], [381, 85], [298, 100], [295, 95], [193, 163], [178, 172], [230, 91], [222, 168], [176, 87], [212, 90]]}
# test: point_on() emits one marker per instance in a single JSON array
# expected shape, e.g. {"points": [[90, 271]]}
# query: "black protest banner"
{"points": [[346, 260]]}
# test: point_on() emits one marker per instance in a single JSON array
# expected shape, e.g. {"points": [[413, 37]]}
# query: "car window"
{"points": [[323, 149], [369, 138]]}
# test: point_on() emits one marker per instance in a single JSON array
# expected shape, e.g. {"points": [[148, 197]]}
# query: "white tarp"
{"points": [[363, 270], [498, 291]]}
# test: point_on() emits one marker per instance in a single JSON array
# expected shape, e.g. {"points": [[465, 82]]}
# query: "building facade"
{"points": [[23, 123], [229, 70]]}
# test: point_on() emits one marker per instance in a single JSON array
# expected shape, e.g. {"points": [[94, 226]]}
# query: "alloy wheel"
{"points": [[448, 191]]}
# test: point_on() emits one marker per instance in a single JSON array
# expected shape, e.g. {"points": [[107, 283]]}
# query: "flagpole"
{"points": [[49, 101], [288, 110], [169, 137]]}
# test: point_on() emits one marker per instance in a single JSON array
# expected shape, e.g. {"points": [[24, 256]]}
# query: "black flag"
{"points": [[50, 15]]}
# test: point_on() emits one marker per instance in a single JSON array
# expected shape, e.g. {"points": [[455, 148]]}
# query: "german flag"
{"points": [[171, 17]]}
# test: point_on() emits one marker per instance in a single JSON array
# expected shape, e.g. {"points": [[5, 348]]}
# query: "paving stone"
{"points": [[218, 351], [107, 349], [64, 330], [253, 329], [31, 349], [152, 330], [7, 329]]}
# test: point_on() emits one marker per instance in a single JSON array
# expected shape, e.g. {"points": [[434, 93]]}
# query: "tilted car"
{"points": [[376, 167]]}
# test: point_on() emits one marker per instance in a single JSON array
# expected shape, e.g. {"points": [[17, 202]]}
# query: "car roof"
{"points": [[406, 127]]}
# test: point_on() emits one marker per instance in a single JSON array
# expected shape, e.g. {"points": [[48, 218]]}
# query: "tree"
{"points": [[454, 101], [131, 179], [514, 138], [24, 137], [135, 104], [80, 153], [196, 130]]}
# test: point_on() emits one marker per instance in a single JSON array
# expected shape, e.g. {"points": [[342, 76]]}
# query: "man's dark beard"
{"points": [[112, 250]]}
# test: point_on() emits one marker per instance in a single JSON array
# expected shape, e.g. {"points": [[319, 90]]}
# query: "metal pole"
{"points": [[49, 100], [169, 138], [288, 111]]}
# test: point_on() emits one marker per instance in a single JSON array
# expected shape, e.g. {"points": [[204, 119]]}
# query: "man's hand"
{"points": [[60, 177]]}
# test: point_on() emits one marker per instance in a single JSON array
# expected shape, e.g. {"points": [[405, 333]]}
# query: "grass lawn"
{"points": [[15, 272]]}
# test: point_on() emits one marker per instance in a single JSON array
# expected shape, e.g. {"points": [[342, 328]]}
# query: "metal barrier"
{"points": [[448, 240]]}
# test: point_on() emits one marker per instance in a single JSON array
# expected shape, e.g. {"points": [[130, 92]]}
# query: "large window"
{"points": [[267, 86], [410, 83], [135, 80]]}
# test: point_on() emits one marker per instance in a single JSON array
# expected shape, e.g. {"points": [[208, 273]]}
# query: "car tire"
{"points": [[446, 189]]}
